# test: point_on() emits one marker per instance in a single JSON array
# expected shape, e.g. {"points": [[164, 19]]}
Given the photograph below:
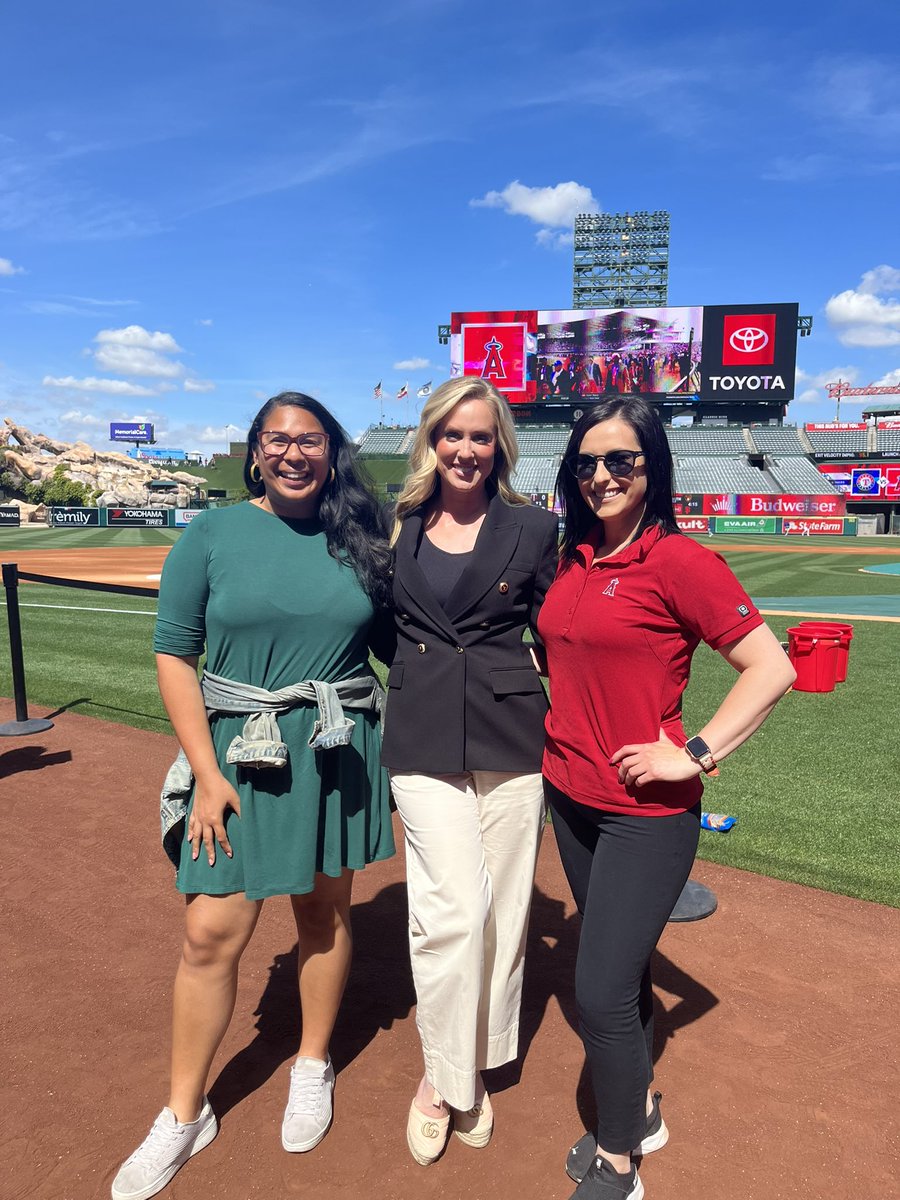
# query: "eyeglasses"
{"points": [[617, 462], [275, 444]]}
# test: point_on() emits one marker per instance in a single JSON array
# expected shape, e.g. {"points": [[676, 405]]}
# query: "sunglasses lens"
{"points": [[619, 464], [583, 466]]}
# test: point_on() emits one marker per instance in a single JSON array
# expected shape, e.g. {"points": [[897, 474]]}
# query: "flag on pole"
{"points": [[404, 392], [378, 391], [424, 390]]}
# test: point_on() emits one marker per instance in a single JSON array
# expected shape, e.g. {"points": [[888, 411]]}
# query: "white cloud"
{"points": [[554, 239], [137, 335], [75, 417], [8, 268], [412, 364], [821, 379], [552, 208], [134, 350], [861, 317], [880, 281], [110, 387], [133, 360], [205, 321], [199, 385], [557, 205], [890, 379]]}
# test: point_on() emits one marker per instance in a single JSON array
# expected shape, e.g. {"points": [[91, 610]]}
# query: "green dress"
{"points": [[269, 605]]}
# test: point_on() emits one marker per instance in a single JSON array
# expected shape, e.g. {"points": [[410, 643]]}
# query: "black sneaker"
{"points": [[603, 1182], [581, 1154]]}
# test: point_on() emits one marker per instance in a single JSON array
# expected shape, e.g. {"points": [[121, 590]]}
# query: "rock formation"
{"points": [[121, 482]]}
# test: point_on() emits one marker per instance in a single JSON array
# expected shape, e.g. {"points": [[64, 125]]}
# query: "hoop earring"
{"points": [[331, 475], [257, 477]]}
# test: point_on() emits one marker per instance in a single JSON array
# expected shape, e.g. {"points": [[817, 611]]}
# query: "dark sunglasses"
{"points": [[617, 462]]}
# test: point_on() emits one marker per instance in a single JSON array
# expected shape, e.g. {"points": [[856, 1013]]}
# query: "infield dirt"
{"points": [[777, 1043]]}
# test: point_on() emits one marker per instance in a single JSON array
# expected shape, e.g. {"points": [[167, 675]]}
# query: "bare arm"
{"points": [[213, 794], [764, 675]]}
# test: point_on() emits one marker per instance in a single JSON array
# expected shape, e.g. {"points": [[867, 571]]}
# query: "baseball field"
{"points": [[814, 791]]}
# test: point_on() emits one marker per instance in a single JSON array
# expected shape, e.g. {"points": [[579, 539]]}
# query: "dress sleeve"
{"points": [[548, 561], [705, 595], [183, 594]]}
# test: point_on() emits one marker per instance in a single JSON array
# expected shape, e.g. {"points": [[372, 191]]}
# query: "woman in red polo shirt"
{"points": [[631, 602]]}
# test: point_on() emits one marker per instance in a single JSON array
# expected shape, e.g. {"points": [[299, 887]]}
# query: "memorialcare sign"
{"points": [[137, 516], [74, 518], [723, 352]]}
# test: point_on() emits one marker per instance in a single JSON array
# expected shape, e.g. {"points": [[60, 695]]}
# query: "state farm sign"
{"points": [[803, 527]]}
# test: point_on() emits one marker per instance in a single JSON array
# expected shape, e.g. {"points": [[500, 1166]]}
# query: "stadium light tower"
{"points": [[621, 260]]}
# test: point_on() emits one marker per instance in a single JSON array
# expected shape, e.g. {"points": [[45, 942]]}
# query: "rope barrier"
{"points": [[87, 585], [11, 576]]}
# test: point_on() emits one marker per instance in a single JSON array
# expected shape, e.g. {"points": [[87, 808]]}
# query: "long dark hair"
{"points": [[354, 526], [648, 429]]}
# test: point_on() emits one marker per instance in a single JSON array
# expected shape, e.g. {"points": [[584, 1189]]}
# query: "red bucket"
{"points": [[814, 655], [843, 656]]}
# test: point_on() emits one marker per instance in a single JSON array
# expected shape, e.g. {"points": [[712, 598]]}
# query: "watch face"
{"points": [[697, 747]]}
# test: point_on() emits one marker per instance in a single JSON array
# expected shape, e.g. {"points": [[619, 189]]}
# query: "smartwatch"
{"points": [[701, 754]]}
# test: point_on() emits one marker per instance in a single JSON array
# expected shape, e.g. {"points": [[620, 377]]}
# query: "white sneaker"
{"points": [[307, 1117], [163, 1153]]}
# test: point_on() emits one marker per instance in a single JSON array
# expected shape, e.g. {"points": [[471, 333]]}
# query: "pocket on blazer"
{"points": [[395, 676], [514, 680]]}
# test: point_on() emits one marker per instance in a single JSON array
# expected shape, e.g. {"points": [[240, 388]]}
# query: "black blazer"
{"points": [[463, 693]]}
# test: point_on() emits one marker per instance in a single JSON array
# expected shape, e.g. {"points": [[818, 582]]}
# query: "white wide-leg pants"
{"points": [[471, 848]]}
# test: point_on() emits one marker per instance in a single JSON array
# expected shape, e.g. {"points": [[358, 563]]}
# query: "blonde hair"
{"points": [[422, 480]]}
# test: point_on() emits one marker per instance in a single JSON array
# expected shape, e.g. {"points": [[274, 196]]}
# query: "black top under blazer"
{"points": [[463, 693]]}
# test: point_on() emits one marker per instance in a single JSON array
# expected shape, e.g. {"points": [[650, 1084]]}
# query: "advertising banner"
{"points": [[184, 516], [74, 518], [745, 524], [10, 516], [130, 431], [864, 481], [736, 352], [152, 453], [791, 505], [829, 426], [693, 524], [144, 517], [891, 424], [807, 526]]}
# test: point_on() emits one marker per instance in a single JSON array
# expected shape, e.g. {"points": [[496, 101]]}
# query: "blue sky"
{"points": [[205, 202]]}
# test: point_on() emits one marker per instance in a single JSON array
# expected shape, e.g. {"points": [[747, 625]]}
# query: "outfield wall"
{"points": [[788, 526], [121, 518]]}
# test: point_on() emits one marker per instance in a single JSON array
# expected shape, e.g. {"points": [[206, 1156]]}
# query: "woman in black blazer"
{"points": [[464, 732]]}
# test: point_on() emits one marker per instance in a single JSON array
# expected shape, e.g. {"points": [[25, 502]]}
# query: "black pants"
{"points": [[625, 872]]}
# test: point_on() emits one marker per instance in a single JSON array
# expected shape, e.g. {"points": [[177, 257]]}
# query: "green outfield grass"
{"points": [[815, 791]]}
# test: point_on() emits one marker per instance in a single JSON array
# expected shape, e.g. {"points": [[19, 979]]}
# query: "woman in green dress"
{"points": [[282, 593]]}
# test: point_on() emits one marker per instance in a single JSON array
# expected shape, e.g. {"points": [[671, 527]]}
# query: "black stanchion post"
{"points": [[21, 725]]}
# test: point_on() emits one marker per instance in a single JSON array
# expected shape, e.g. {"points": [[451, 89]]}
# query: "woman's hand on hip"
{"points": [[654, 762], [207, 824]]}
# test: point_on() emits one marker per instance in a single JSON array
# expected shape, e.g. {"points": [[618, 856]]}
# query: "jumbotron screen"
{"points": [[724, 352]]}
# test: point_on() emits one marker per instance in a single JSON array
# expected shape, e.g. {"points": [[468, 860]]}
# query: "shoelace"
{"points": [[305, 1093], [158, 1140]]}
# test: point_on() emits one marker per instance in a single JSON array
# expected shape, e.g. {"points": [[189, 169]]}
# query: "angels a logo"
{"points": [[493, 365], [610, 589]]}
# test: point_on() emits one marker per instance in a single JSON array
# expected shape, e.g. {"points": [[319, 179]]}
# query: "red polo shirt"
{"points": [[619, 636]]}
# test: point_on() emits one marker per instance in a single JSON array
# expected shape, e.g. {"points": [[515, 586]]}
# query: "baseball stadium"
{"points": [[804, 885]]}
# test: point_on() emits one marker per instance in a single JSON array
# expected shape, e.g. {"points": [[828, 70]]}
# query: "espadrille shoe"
{"points": [[426, 1136]]}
